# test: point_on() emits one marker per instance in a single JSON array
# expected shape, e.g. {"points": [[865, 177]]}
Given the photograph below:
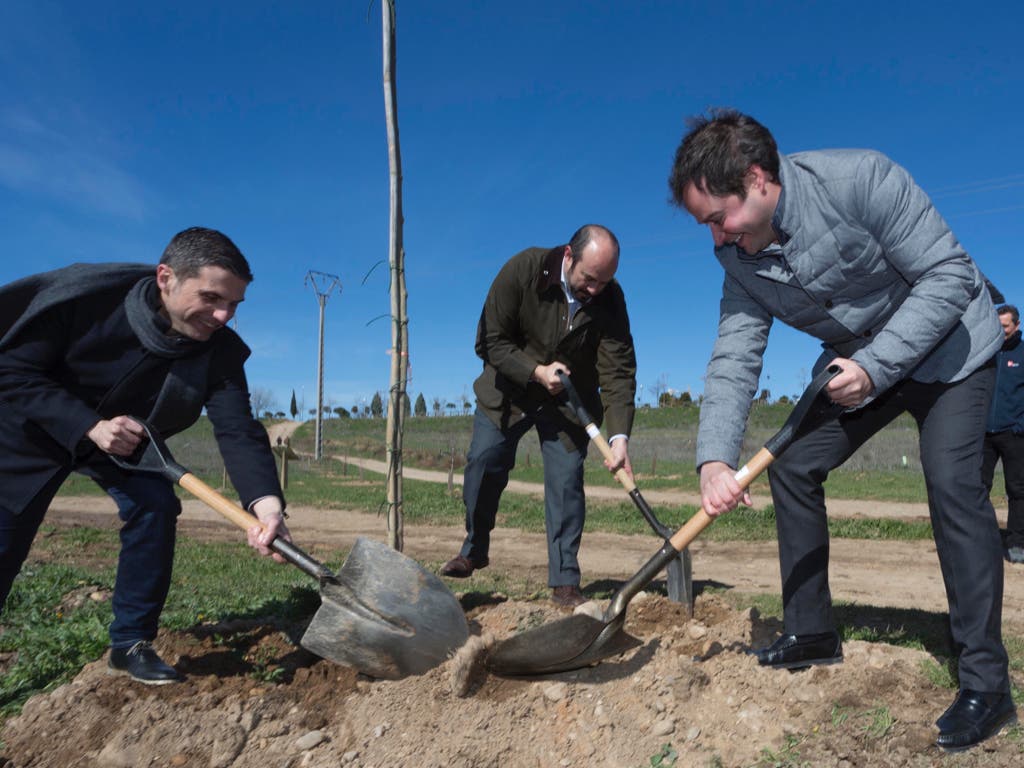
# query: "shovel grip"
{"points": [[745, 475], [235, 514], [231, 511], [606, 450]]}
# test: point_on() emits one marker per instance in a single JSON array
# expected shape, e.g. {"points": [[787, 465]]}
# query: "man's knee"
{"points": [[152, 499], [801, 466]]}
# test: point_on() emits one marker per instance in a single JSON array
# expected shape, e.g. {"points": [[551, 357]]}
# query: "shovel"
{"points": [[383, 614], [580, 640], [678, 572]]}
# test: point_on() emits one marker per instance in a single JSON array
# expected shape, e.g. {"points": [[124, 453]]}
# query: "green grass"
{"points": [[887, 468], [661, 450], [213, 582], [51, 646]]}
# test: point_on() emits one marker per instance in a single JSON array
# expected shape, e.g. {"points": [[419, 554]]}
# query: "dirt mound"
{"points": [[690, 695]]}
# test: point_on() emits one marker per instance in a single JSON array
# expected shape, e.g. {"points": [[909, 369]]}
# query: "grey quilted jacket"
{"points": [[869, 267]]}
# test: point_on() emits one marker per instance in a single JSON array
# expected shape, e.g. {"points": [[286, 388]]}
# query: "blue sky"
{"points": [[123, 123]]}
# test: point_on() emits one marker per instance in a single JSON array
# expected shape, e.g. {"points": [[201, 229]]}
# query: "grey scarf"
{"points": [[183, 394]]}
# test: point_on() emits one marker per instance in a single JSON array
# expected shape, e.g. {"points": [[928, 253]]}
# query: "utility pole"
{"points": [[323, 284]]}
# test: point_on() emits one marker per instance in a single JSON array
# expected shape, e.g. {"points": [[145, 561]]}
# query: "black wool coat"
{"points": [[77, 361]]}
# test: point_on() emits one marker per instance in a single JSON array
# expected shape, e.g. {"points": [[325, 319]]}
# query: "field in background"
{"points": [[662, 448]]}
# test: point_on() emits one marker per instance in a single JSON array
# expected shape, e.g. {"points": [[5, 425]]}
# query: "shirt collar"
{"points": [[777, 217]]}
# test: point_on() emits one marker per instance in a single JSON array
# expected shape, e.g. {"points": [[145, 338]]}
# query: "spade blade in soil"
{"points": [[569, 643], [579, 641], [385, 615]]}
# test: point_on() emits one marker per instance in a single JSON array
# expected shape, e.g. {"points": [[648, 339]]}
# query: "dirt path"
{"points": [[836, 507], [282, 430], [896, 574]]}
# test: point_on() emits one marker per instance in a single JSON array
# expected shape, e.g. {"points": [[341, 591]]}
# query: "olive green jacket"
{"points": [[524, 324]]}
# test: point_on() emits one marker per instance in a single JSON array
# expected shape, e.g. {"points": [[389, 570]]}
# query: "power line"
{"points": [[323, 284]]}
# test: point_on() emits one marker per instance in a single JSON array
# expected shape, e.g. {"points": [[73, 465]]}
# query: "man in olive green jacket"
{"points": [[548, 310]]}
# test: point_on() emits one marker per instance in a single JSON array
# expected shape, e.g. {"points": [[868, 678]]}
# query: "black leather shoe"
{"points": [[973, 717], [460, 567], [568, 596], [140, 662], [800, 651]]}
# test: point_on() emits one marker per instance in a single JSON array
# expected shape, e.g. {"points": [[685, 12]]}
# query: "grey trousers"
{"points": [[951, 424], [492, 455]]}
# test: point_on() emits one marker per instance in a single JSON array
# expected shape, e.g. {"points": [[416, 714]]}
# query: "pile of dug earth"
{"points": [[691, 695]]}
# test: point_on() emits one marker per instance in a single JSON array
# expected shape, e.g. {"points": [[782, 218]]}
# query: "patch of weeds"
{"points": [[1015, 648], [1015, 733], [877, 723], [51, 644], [940, 675], [667, 755], [788, 755], [265, 667], [839, 715], [532, 620]]}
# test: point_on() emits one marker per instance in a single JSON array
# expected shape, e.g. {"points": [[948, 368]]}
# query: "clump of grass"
{"points": [[51, 644]]}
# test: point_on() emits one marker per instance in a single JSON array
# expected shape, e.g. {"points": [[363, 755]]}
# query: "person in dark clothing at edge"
{"points": [[843, 245], [1004, 437], [549, 309], [84, 352]]}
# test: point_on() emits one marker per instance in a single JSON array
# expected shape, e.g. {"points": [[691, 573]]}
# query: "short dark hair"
{"points": [[196, 247], [1009, 309], [583, 236], [718, 150]]}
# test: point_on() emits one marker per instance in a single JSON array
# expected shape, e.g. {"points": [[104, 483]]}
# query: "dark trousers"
{"points": [[1009, 448], [951, 424], [148, 510], [492, 455]]}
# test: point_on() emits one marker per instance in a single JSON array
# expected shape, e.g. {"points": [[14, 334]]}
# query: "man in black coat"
{"points": [[84, 352]]}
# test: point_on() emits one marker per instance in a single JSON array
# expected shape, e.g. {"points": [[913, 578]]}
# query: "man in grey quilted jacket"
{"points": [[843, 245]]}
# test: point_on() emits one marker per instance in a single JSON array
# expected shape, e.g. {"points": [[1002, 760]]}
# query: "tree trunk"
{"points": [[396, 260]]}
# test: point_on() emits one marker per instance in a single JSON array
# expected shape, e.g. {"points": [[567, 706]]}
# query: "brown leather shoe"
{"points": [[460, 567], [567, 597]]}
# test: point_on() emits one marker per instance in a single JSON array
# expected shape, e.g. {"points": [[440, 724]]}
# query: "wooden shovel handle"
{"points": [[235, 514], [224, 506], [744, 476], [606, 450]]}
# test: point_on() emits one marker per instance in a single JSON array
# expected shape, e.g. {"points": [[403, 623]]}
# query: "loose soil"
{"points": [[690, 689]]}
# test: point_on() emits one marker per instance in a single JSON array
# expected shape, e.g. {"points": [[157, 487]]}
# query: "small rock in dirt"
{"points": [[349, 756], [805, 693], [113, 755], [556, 692], [697, 630], [310, 740], [693, 733], [227, 746], [663, 728], [179, 759]]}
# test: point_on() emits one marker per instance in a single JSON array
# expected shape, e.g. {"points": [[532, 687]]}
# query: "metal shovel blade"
{"points": [[385, 615], [580, 640], [679, 571], [570, 643]]}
